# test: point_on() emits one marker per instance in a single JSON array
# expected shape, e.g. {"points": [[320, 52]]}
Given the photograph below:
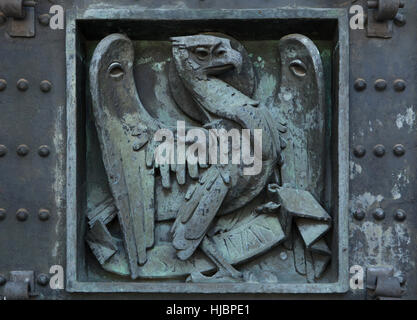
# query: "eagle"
{"points": [[126, 129]]}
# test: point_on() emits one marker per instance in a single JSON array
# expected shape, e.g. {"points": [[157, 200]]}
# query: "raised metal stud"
{"points": [[400, 19], [400, 215], [378, 214], [3, 150], [360, 84], [399, 85], [22, 84], [45, 86], [359, 214], [380, 84], [44, 214], [359, 151], [398, 150], [22, 215], [42, 279], [43, 151], [379, 150], [22, 150], [3, 281], [3, 84], [3, 214], [44, 19]]}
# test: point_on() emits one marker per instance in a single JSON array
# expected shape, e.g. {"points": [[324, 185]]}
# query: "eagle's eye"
{"points": [[220, 52], [201, 53], [298, 68]]}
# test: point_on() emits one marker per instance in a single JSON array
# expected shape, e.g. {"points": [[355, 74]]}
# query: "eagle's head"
{"points": [[201, 56]]}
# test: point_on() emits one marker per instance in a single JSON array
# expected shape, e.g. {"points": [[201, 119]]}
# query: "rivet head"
{"points": [[3, 281], [44, 19], [3, 150], [398, 150], [3, 214], [379, 150], [22, 84], [44, 214], [359, 151], [359, 214], [378, 214], [45, 86], [43, 151], [360, 84], [399, 85], [400, 215], [42, 279], [380, 84], [283, 256], [3, 84], [22, 215], [136, 147], [22, 150], [400, 19]]}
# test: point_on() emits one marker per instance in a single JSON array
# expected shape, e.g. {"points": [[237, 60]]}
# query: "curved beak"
{"points": [[232, 60]]}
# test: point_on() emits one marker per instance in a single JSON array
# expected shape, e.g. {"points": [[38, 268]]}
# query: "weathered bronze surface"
{"points": [[219, 208], [337, 208], [195, 227]]}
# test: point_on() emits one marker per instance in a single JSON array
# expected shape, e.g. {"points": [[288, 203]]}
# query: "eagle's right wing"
{"points": [[126, 135], [123, 127]]}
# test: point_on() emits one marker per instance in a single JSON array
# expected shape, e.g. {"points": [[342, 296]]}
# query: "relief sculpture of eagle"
{"points": [[205, 78]]}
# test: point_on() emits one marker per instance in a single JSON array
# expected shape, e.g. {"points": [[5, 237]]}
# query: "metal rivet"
{"points": [[399, 85], [359, 214], [42, 279], [400, 215], [380, 84], [3, 281], [3, 214], [44, 19], [3, 18], [360, 84], [3, 84], [283, 255], [359, 151], [44, 215], [3, 150], [400, 19], [22, 150], [399, 150], [43, 151], [22, 215], [379, 150], [379, 214], [22, 84], [45, 86]]}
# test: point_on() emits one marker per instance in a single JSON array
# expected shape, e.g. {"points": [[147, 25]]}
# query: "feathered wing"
{"points": [[301, 102], [125, 131], [201, 205], [123, 127]]}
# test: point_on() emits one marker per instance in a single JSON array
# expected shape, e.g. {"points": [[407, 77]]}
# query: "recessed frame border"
{"points": [[342, 153]]}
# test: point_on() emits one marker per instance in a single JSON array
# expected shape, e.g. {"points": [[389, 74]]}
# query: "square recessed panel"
{"points": [[258, 31]]}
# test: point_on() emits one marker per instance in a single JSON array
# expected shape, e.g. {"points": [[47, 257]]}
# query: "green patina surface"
{"points": [[151, 73]]}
